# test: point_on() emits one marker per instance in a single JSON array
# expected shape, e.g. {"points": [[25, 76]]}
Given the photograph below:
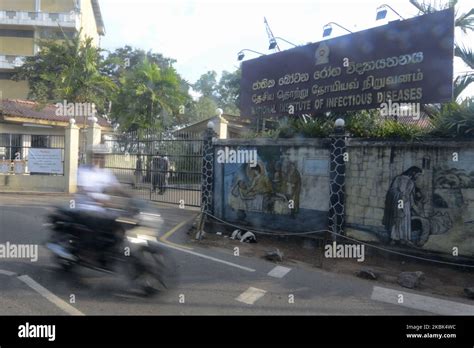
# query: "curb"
{"points": [[34, 193]]}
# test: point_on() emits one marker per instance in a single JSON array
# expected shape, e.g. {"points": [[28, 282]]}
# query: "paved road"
{"points": [[212, 281]]}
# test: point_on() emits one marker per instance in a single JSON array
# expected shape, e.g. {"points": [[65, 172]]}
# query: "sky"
{"points": [[204, 35]]}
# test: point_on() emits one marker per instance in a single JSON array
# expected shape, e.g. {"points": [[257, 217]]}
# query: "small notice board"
{"points": [[4, 166], [19, 166], [45, 161]]}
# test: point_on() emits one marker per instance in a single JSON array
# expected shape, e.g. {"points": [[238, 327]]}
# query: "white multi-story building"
{"points": [[23, 22]]}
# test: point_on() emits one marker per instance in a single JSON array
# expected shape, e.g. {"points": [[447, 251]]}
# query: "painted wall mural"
{"points": [[278, 192], [288, 190], [408, 218], [412, 197], [273, 193]]}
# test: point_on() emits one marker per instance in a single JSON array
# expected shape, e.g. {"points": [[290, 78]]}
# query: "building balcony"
{"points": [[11, 62], [40, 19]]}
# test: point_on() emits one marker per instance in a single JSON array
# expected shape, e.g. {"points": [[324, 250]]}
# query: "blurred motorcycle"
{"points": [[123, 242]]}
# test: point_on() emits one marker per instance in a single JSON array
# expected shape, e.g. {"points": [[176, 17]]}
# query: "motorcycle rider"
{"points": [[96, 186]]}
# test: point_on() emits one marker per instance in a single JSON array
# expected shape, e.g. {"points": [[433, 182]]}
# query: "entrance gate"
{"points": [[183, 179]]}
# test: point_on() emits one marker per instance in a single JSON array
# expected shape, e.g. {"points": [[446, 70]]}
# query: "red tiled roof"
{"points": [[33, 110], [423, 121]]}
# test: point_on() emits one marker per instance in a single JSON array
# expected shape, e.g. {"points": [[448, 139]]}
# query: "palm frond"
{"points": [[466, 54], [461, 83], [422, 7], [465, 21]]}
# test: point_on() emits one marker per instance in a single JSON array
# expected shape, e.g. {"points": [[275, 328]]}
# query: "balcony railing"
{"points": [[41, 19], [11, 62]]}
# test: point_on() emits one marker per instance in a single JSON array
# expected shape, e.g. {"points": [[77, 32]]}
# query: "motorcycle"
{"points": [[128, 245]]}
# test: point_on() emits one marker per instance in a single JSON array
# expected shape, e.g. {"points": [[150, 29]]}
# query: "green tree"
{"points": [[228, 91], [149, 97], [465, 23], [207, 85], [203, 108], [118, 65], [127, 57], [224, 93], [67, 70]]}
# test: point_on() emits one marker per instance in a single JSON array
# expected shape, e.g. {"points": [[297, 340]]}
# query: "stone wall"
{"points": [[413, 195], [440, 203]]}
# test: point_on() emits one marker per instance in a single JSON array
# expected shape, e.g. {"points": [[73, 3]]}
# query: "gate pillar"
{"points": [[337, 176], [207, 186]]}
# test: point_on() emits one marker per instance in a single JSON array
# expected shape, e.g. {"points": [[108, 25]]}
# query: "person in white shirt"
{"points": [[95, 184]]}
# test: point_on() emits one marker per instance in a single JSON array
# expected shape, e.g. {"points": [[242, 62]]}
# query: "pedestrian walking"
{"points": [[138, 172], [160, 171]]}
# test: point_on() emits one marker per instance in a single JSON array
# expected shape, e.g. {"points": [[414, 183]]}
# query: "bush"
{"points": [[451, 120], [309, 128], [370, 124], [363, 124], [390, 129], [314, 128], [454, 120]]}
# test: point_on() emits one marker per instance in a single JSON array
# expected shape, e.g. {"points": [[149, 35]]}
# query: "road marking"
{"points": [[206, 257], [424, 303], [49, 295], [251, 295], [7, 273], [279, 272], [164, 238], [150, 214]]}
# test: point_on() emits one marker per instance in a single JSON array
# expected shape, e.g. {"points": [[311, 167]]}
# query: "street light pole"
{"points": [[241, 54]]}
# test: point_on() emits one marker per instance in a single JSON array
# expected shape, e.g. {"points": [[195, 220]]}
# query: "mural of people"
{"points": [[253, 190], [424, 224], [255, 194], [260, 183], [414, 221], [287, 183], [399, 205], [293, 186]]}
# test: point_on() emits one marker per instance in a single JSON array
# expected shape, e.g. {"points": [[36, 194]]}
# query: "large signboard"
{"points": [[45, 161], [408, 61]]}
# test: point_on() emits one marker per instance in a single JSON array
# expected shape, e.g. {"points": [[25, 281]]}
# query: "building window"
{"points": [[39, 141], [15, 148]]}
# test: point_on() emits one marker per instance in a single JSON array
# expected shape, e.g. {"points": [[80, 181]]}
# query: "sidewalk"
{"points": [[438, 279]]}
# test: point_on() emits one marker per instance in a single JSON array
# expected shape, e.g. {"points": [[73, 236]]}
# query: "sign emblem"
{"points": [[322, 54]]}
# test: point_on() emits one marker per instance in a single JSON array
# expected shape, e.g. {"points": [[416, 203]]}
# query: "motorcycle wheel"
{"points": [[64, 264], [151, 271]]}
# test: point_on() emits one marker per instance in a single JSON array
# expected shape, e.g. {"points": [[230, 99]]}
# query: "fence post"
{"points": [[207, 185], [71, 151], [207, 181], [337, 178], [94, 134]]}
